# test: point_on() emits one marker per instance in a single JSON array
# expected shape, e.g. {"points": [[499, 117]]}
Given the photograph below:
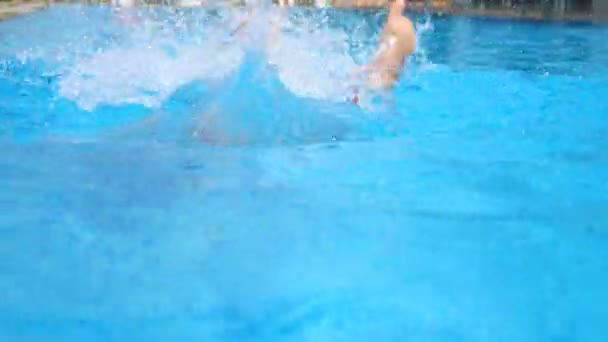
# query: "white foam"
{"points": [[143, 74], [314, 62]]}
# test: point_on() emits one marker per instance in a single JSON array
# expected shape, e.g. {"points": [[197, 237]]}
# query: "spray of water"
{"points": [[312, 58], [302, 60]]}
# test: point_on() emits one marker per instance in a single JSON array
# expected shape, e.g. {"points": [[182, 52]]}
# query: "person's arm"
{"points": [[370, 66], [244, 22], [275, 35], [239, 28], [395, 12]]}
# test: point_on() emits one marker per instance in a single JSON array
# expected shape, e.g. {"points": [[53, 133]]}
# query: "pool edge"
{"points": [[14, 9]]}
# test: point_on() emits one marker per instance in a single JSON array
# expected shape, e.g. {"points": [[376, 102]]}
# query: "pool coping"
{"points": [[10, 9]]}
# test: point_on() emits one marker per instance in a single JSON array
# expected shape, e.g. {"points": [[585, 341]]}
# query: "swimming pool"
{"points": [[474, 209]]}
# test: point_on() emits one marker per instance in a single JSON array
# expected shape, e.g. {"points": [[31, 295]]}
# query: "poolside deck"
{"points": [[10, 9]]}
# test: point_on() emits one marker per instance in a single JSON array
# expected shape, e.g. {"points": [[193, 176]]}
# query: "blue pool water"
{"points": [[472, 209]]}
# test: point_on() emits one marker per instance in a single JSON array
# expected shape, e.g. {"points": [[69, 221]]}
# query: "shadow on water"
{"points": [[253, 108]]}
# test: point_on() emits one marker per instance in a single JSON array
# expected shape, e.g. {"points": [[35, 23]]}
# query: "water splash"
{"points": [[142, 56], [159, 61], [313, 61], [173, 61], [143, 75], [420, 56]]}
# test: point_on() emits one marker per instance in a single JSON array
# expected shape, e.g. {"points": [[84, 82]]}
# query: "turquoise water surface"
{"points": [[162, 182]]}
